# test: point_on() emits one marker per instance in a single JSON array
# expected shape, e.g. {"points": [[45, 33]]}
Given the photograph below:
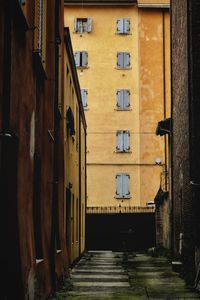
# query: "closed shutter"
{"points": [[126, 103], [126, 25], [75, 25], [84, 94], [89, 24], [120, 141], [126, 140], [119, 184], [126, 60], [126, 185], [84, 62], [120, 26], [77, 58], [120, 59], [120, 100]]}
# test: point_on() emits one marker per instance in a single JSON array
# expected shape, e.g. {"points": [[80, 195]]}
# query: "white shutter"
{"points": [[120, 142], [75, 25], [126, 185], [120, 100], [84, 62], [89, 24], [126, 140], [120, 25], [126, 59], [77, 58], [126, 25], [84, 94], [119, 184], [126, 103], [120, 59]]}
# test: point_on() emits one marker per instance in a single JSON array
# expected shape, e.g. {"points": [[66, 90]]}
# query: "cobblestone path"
{"points": [[121, 276]]}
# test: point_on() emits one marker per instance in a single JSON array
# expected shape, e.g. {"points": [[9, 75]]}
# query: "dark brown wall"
{"points": [[28, 159], [182, 112]]}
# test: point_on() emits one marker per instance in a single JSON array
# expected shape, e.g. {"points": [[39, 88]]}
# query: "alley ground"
{"points": [[125, 276]]}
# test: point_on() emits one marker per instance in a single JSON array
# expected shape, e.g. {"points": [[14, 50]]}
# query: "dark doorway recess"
{"points": [[120, 232]]}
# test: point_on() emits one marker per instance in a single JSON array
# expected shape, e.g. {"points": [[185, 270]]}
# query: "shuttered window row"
{"points": [[81, 59], [123, 141], [122, 186], [84, 25]]}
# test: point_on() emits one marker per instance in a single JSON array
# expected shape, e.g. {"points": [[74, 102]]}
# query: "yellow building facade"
{"points": [[122, 55], [74, 157]]}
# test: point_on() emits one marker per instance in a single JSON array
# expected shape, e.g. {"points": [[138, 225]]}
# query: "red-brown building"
{"points": [[33, 254]]}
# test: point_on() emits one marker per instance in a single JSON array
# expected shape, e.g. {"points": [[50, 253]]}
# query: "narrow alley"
{"points": [[125, 276]]}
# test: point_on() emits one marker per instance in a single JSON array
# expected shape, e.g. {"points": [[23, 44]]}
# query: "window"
{"points": [[123, 99], [84, 96], [40, 30], [122, 185], [123, 26], [81, 59], [123, 60], [123, 141], [82, 25]]}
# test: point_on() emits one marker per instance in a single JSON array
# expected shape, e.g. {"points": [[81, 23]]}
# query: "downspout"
{"points": [[164, 95], [171, 138], [55, 154], [80, 185], [85, 182]]}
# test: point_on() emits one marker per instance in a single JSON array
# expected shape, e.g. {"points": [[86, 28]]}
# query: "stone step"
{"points": [[99, 276], [101, 284]]}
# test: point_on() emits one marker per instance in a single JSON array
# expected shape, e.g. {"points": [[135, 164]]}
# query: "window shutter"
{"points": [[77, 58], [120, 98], [119, 183], [89, 24], [120, 59], [126, 103], [126, 185], [120, 141], [84, 94], [126, 25], [120, 25], [75, 25], [84, 59], [126, 59], [126, 140]]}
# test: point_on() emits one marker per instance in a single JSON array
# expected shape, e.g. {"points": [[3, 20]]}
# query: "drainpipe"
{"points": [[171, 139], [80, 184], [55, 154]]}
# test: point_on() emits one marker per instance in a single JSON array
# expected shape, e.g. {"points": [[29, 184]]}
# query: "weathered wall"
{"points": [[145, 81], [182, 204], [28, 159], [74, 161]]}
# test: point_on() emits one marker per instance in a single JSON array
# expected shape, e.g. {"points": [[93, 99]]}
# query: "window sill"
{"points": [[122, 198], [128, 68], [123, 109], [82, 68], [124, 33], [86, 108], [122, 152], [39, 261]]}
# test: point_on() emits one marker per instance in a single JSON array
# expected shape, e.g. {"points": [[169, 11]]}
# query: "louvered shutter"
{"points": [[119, 183], [89, 24], [84, 97], [126, 185], [126, 103], [120, 142], [126, 140], [126, 60], [126, 25], [84, 59], [77, 58], [75, 25], [120, 99], [120, 59], [120, 25]]}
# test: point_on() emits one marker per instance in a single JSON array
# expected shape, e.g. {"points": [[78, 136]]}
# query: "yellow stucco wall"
{"points": [[144, 80], [74, 207], [154, 2]]}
